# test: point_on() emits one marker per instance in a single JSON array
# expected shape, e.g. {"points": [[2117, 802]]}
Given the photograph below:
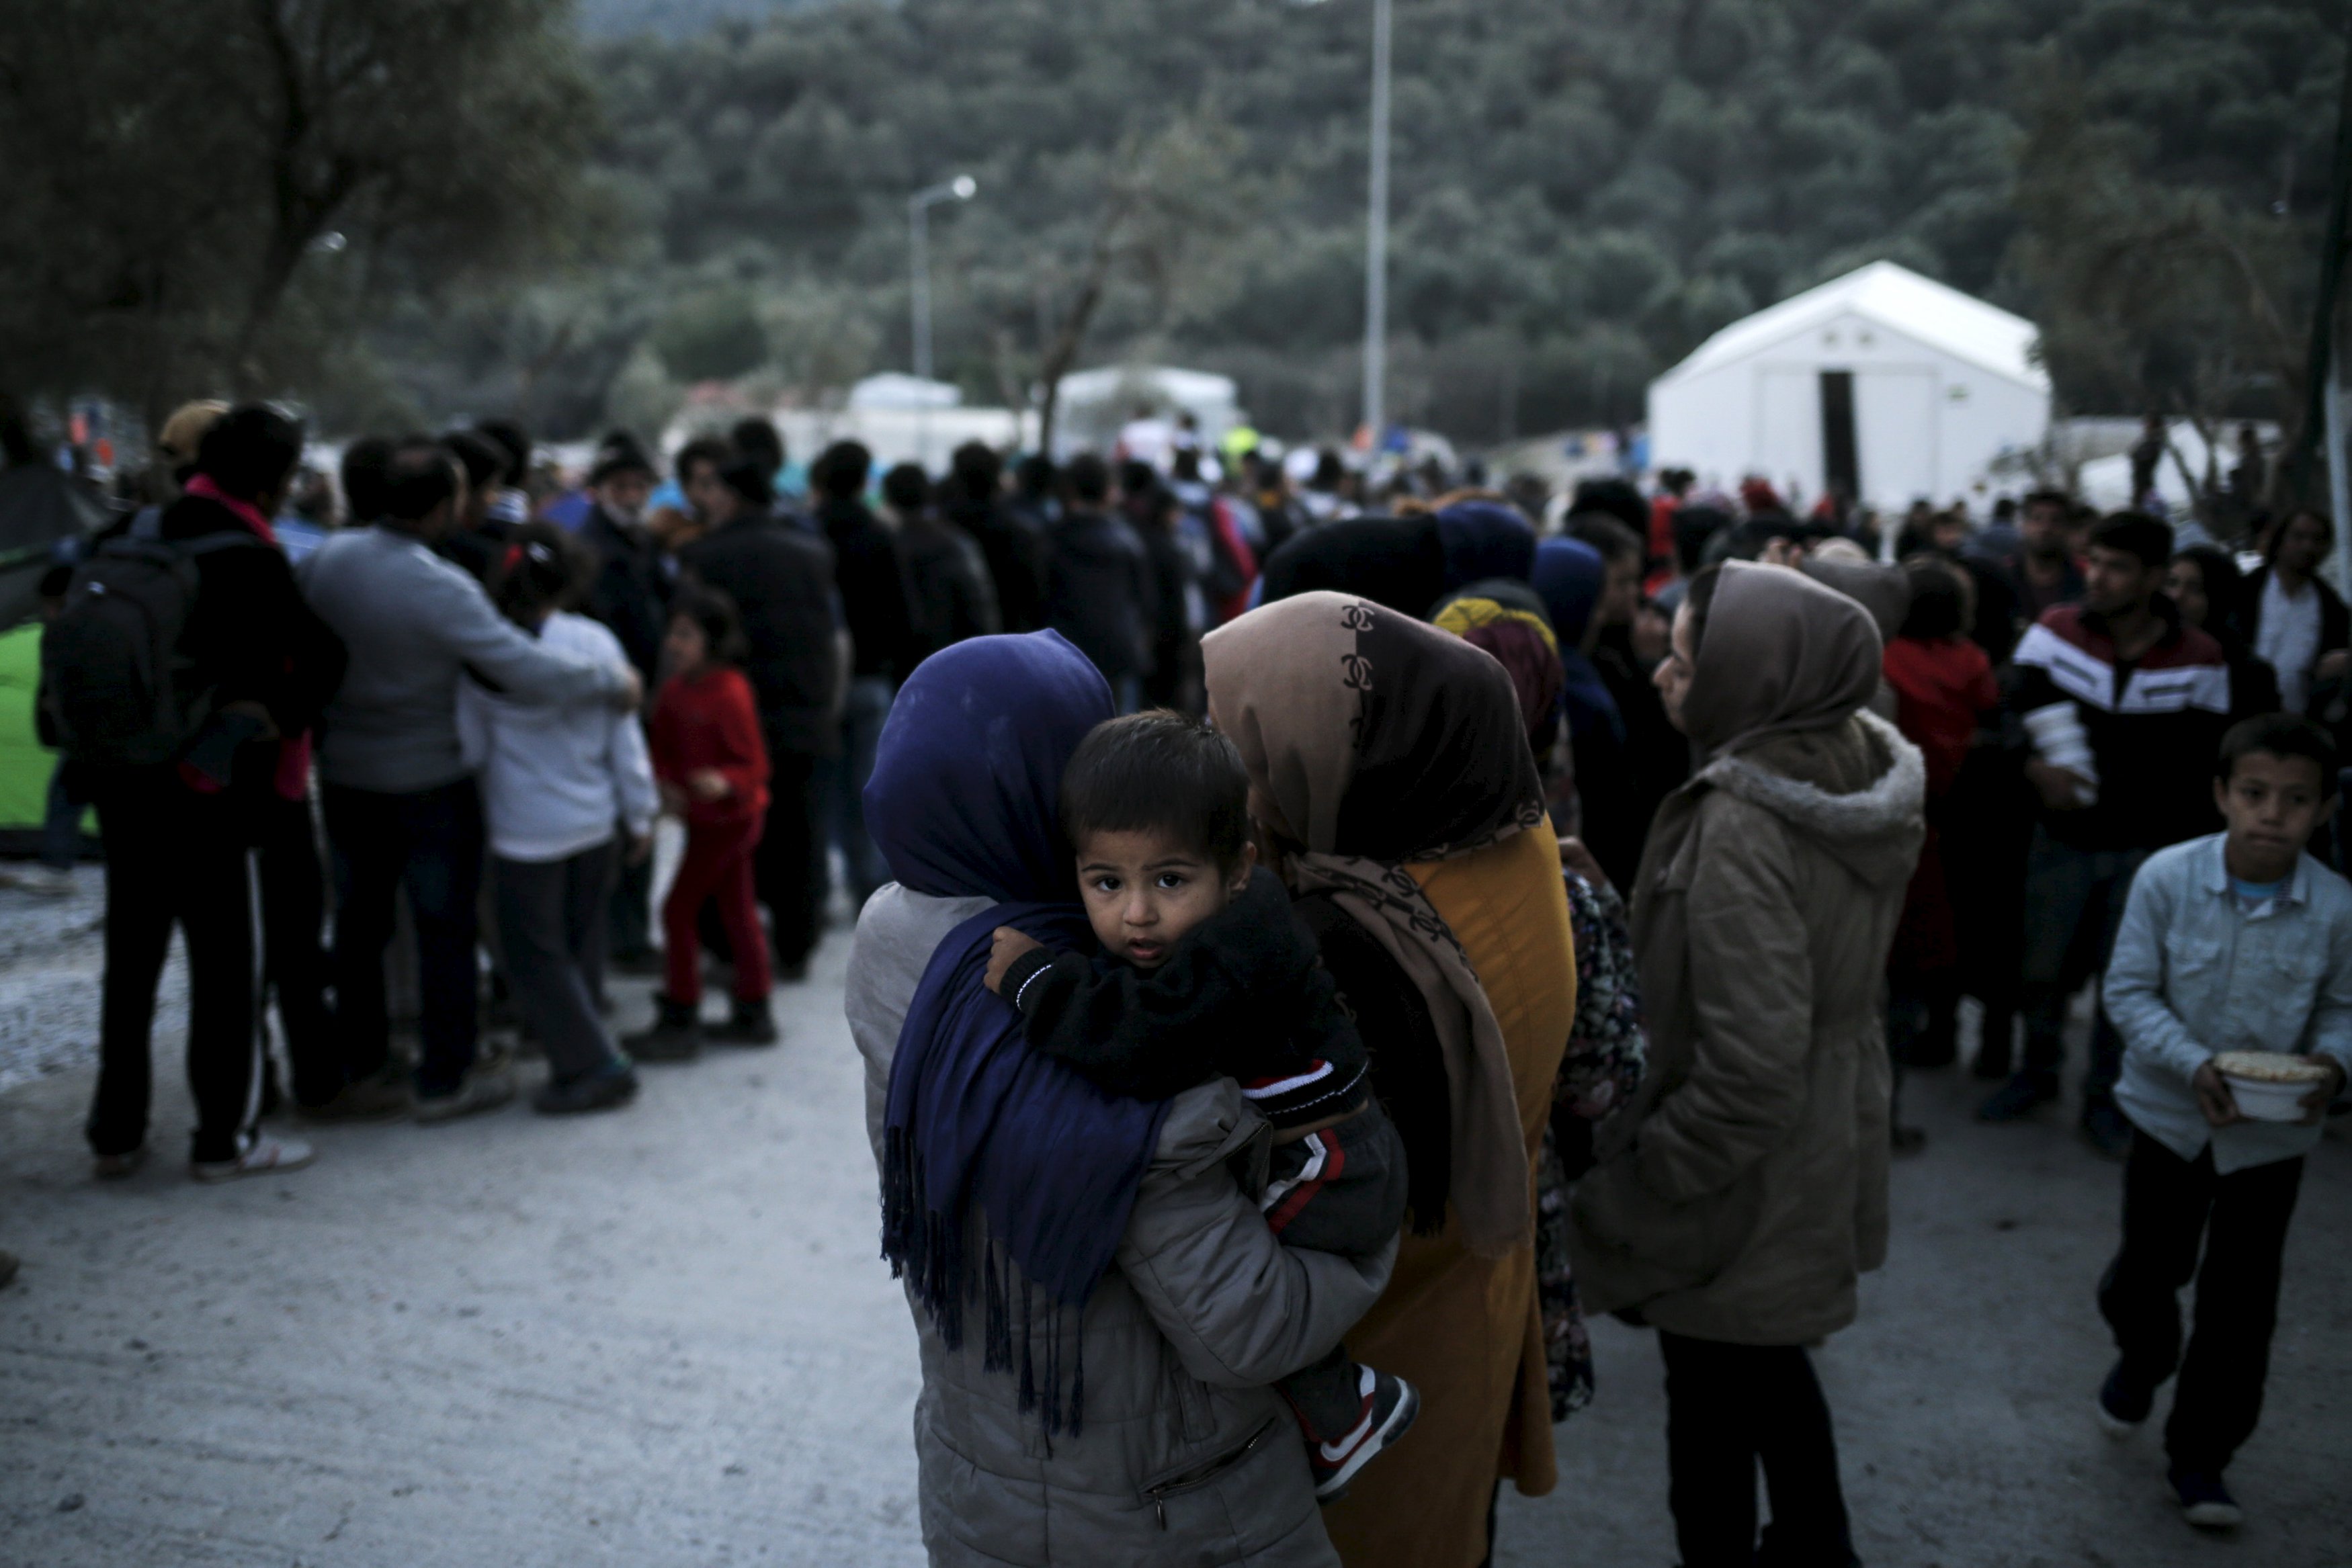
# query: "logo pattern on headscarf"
{"points": [[1356, 666], [1384, 886]]}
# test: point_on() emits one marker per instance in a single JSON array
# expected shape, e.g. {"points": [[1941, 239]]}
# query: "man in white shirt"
{"points": [[2299, 620]]}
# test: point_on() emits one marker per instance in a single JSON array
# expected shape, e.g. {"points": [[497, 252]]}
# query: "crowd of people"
{"points": [[1313, 943]]}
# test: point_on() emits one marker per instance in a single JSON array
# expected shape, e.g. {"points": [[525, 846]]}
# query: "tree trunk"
{"points": [[1062, 352]]}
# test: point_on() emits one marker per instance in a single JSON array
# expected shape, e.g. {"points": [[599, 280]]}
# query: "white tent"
{"points": [[1886, 383]]}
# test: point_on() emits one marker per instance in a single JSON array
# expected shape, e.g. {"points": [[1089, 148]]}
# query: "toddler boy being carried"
{"points": [[1205, 972]]}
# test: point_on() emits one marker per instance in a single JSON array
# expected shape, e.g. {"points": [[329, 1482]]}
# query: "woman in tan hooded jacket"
{"points": [[1744, 1188]]}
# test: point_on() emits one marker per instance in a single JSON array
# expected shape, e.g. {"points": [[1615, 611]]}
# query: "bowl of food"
{"points": [[2269, 1085]]}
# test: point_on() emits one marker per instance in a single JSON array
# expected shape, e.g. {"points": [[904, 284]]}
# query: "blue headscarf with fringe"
{"points": [[963, 802]]}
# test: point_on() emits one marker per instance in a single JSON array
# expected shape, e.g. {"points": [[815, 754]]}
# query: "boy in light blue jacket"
{"points": [[2236, 941]]}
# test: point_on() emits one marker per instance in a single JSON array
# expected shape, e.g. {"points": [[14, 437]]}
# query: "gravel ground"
{"points": [[652, 1338], [662, 1337], [49, 966]]}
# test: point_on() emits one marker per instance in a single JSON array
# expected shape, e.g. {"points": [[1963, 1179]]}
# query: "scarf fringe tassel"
{"points": [[928, 1252]]}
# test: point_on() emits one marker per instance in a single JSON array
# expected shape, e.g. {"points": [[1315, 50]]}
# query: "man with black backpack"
{"points": [[182, 677]]}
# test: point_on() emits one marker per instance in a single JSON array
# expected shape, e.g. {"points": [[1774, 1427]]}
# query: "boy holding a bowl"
{"points": [[2238, 946]]}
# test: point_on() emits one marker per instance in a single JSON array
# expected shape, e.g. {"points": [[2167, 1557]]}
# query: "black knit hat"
{"points": [[750, 479], [619, 452]]}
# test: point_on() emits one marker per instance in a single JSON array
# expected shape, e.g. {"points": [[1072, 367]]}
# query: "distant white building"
{"points": [[891, 427], [1096, 405], [904, 394], [1884, 382]]}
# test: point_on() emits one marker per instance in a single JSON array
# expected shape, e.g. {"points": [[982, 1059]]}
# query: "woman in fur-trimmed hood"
{"points": [[1744, 1188]]}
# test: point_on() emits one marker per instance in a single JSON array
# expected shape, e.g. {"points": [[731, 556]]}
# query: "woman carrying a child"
{"points": [[1102, 1306], [1396, 795]]}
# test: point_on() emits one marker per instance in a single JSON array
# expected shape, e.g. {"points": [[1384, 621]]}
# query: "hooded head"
{"points": [[1508, 622], [1393, 561], [1570, 575], [1484, 539], [1779, 652], [968, 775]]}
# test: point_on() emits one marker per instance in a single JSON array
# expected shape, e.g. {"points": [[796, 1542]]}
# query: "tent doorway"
{"points": [[1840, 469]]}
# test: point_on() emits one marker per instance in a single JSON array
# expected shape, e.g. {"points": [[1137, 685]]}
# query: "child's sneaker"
{"points": [[1390, 1403], [2204, 1501]]}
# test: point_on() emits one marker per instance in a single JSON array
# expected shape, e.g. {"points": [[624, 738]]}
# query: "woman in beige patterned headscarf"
{"points": [[1391, 774]]}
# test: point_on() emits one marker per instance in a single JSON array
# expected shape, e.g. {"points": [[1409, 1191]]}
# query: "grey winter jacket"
{"points": [[1187, 1457], [413, 623], [1743, 1188]]}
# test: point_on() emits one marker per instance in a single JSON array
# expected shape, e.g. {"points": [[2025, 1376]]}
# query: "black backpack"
{"points": [[115, 687]]}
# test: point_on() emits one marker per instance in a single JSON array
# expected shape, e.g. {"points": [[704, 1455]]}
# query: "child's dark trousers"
{"points": [[2170, 1205]]}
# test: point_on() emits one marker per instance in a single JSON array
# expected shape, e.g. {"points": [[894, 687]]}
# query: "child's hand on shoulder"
{"points": [[1005, 948], [708, 784]]}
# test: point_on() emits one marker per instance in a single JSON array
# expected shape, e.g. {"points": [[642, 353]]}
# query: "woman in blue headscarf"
{"points": [[1131, 1305], [1570, 575], [1485, 537]]}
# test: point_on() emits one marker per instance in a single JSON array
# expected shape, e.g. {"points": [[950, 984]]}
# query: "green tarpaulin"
{"points": [[25, 763]]}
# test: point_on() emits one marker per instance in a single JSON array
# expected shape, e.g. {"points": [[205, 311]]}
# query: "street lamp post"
{"points": [[918, 259], [1376, 237], [1376, 233]]}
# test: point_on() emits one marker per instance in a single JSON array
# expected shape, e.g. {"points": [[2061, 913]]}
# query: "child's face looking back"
{"points": [[1144, 889]]}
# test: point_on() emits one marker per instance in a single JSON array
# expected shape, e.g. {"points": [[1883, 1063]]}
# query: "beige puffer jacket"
{"points": [[1744, 1187]]}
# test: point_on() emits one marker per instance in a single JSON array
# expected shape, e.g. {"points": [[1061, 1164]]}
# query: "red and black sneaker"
{"points": [[1389, 1404]]}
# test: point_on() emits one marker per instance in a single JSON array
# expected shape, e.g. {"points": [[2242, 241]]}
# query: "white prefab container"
{"points": [[1887, 385], [1096, 404]]}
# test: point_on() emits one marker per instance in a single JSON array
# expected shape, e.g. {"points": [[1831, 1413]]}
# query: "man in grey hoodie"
{"points": [[401, 806]]}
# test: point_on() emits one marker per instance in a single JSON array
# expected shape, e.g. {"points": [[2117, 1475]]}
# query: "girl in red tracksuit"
{"points": [[712, 767]]}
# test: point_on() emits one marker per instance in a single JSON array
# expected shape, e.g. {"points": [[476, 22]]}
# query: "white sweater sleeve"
{"points": [[529, 671], [634, 797]]}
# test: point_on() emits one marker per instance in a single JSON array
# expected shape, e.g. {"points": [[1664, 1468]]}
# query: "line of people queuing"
{"points": [[1460, 745], [445, 728]]}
